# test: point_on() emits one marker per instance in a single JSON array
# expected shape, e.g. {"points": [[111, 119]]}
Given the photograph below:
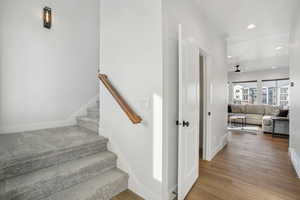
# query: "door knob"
{"points": [[185, 124]]}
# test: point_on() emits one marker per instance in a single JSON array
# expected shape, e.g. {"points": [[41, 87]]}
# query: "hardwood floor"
{"points": [[250, 167], [127, 195]]}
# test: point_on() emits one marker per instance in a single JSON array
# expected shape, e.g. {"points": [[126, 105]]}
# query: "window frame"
{"points": [[277, 98], [243, 95]]}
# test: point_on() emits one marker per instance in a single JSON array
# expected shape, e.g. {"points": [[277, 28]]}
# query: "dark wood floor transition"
{"points": [[250, 167]]}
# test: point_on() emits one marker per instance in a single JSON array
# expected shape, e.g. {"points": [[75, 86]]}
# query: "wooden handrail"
{"points": [[125, 107]]}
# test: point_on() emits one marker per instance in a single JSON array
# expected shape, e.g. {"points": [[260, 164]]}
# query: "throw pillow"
{"points": [[283, 113], [229, 109]]}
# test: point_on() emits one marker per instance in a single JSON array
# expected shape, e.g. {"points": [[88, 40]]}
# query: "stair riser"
{"points": [[93, 114], [110, 190], [29, 165], [88, 125], [45, 188], [103, 192]]}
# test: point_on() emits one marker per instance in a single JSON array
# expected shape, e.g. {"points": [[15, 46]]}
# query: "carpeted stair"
{"points": [[69, 163]]}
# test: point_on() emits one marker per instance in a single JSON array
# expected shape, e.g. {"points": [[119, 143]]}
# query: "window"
{"points": [[283, 86], [245, 92], [275, 92]]}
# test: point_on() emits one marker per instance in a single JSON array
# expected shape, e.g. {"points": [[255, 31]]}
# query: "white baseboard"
{"points": [[221, 145], [83, 109], [295, 160], [134, 183], [70, 121], [171, 195]]}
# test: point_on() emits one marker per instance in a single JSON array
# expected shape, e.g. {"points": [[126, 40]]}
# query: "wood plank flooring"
{"points": [[250, 167], [127, 195]]}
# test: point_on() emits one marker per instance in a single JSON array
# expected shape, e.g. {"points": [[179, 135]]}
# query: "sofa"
{"points": [[260, 115]]}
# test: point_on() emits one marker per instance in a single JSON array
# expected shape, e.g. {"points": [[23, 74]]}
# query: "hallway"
{"points": [[251, 167]]}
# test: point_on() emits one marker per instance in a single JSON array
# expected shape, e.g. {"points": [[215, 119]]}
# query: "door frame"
{"points": [[206, 99], [171, 193], [188, 139]]}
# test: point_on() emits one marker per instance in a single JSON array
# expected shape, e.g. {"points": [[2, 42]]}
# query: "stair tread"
{"points": [[57, 172], [69, 163], [22, 147], [88, 119], [89, 189], [93, 109]]}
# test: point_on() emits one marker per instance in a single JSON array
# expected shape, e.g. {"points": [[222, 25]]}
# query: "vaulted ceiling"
{"points": [[263, 47]]}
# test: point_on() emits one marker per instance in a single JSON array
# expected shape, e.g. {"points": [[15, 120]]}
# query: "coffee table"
{"points": [[235, 118]]}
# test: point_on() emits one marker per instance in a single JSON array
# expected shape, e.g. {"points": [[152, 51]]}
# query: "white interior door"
{"points": [[188, 122]]}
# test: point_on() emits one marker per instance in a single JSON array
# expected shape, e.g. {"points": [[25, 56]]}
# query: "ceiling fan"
{"points": [[237, 69]]}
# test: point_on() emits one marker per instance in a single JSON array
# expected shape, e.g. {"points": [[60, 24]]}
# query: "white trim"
{"points": [[295, 160], [171, 195], [83, 109], [70, 121], [134, 184], [206, 119], [221, 145]]}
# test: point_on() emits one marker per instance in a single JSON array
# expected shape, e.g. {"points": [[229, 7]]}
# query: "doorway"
{"points": [[201, 103], [193, 117], [204, 111]]}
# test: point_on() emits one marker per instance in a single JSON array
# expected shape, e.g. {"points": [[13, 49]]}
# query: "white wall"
{"points": [[188, 13], [139, 54], [295, 95], [46, 75], [131, 56]]}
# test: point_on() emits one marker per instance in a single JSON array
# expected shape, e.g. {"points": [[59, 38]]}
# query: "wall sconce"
{"points": [[47, 16]]}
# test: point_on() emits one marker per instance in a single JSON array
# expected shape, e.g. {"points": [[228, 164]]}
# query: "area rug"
{"points": [[247, 129]]}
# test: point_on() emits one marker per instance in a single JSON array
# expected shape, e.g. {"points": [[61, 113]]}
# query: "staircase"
{"points": [[91, 121], [69, 163]]}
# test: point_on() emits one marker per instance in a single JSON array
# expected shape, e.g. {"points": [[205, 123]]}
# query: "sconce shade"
{"points": [[47, 16]]}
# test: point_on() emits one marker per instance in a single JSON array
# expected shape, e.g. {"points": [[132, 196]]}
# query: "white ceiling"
{"points": [[253, 49]]}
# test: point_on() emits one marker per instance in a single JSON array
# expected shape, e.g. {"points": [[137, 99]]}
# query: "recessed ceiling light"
{"points": [[229, 57], [278, 48], [251, 26], [274, 67]]}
